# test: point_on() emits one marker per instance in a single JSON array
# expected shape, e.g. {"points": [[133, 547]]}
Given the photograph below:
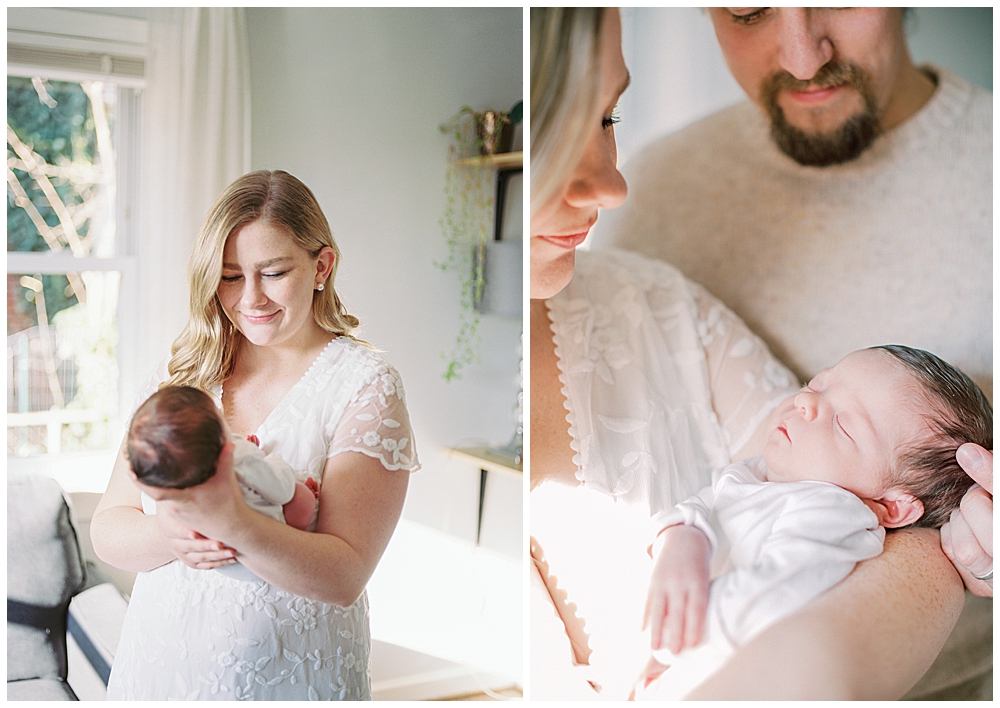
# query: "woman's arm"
{"points": [[869, 638], [360, 502], [124, 537]]}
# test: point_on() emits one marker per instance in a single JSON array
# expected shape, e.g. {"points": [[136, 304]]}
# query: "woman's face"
{"points": [[558, 227], [268, 282]]}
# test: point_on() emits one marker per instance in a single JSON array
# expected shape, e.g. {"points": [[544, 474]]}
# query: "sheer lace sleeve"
{"points": [[746, 380], [377, 424]]}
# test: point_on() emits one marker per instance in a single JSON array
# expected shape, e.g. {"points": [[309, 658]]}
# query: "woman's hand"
{"points": [[190, 547], [967, 539], [190, 518], [678, 590]]}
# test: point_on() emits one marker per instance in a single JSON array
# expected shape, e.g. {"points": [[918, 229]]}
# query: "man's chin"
{"points": [[841, 145]]}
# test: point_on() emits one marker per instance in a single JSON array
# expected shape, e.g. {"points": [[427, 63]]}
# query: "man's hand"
{"points": [[678, 590], [967, 538]]}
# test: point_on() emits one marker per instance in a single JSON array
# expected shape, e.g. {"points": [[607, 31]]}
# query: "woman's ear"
{"points": [[896, 508], [324, 263]]}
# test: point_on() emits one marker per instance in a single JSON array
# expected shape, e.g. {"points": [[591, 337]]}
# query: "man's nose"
{"points": [[803, 42]]}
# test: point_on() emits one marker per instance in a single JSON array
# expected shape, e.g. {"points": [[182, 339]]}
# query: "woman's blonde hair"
{"points": [[205, 352], [565, 93]]}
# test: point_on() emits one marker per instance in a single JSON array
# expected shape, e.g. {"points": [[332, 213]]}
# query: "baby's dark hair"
{"points": [[927, 468], [175, 438]]}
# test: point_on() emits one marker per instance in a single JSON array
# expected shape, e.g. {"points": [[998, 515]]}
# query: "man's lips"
{"points": [[569, 241], [815, 95]]}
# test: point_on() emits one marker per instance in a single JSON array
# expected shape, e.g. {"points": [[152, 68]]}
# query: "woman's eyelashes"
{"points": [[271, 276], [747, 16], [614, 118]]}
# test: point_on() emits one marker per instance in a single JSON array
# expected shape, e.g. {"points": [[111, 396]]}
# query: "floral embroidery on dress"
{"points": [[634, 378], [742, 368], [377, 430]]}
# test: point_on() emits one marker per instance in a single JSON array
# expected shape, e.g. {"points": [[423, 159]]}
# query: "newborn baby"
{"points": [[175, 440], [869, 444]]}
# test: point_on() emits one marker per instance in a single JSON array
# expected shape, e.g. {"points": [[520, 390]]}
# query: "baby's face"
{"points": [[846, 425]]}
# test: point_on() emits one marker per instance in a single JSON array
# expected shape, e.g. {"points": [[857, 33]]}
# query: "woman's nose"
{"points": [[805, 402], [596, 181], [253, 293], [803, 42]]}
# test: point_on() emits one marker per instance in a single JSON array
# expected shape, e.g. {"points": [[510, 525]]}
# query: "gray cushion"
{"points": [[39, 690], [45, 569]]}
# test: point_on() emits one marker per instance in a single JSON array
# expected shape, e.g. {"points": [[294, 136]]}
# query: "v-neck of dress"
{"points": [[284, 399]]}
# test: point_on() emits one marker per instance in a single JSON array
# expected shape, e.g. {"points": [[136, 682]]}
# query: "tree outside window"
{"points": [[62, 335]]}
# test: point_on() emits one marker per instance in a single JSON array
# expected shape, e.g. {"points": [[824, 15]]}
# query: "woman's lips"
{"points": [[568, 242], [259, 319]]}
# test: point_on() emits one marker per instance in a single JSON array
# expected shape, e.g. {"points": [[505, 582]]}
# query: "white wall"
{"points": [[349, 101]]}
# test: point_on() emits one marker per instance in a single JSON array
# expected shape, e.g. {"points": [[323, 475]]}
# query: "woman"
{"points": [[636, 395], [270, 338]]}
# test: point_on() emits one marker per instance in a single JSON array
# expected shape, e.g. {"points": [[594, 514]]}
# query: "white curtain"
{"points": [[196, 140]]}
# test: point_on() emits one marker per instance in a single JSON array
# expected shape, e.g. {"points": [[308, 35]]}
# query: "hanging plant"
{"points": [[467, 221]]}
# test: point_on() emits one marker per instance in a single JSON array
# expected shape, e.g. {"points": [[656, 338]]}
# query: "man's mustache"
{"points": [[828, 76]]}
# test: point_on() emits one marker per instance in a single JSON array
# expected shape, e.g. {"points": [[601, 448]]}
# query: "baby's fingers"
{"points": [[656, 609], [675, 627], [697, 606]]}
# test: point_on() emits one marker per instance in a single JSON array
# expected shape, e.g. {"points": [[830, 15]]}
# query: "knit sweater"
{"points": [[894, 247]]}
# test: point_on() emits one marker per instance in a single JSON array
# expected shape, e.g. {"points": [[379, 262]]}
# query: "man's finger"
{"points": [[977, 463], [965, 547], [977, 511]]}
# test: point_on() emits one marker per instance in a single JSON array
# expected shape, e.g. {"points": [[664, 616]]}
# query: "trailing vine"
{"points": [[467, 224]]}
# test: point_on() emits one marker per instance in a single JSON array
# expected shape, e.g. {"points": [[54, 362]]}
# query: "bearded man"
{"points": [[847, 203]]}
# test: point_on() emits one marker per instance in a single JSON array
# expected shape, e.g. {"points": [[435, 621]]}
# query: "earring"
{"points": [[320, 286]]}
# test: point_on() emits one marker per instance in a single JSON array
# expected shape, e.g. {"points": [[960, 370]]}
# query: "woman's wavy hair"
{"points": [[565, 93], [205, 352]]}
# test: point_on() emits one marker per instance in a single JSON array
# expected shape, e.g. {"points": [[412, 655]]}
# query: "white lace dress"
{"points": [[198, 634], [663, 384]]}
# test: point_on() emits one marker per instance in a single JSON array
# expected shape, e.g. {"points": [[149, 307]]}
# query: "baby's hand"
{"points": [[313, 486], [678, 590]]}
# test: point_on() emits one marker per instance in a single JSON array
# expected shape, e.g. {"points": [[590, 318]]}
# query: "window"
{"points": [[72, 139]]}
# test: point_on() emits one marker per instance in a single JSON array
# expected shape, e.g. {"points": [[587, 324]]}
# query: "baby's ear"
{"points": [[896, 508]]}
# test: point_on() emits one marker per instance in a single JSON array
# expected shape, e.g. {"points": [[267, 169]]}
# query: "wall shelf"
{"points": [[487, 461], [481, 456], [499, 161]]}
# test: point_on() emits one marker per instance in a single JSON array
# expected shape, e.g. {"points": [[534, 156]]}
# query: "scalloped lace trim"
{"points": [[574, 442]]}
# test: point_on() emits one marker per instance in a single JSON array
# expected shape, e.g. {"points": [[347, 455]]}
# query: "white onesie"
{"points": [[775, 547]]}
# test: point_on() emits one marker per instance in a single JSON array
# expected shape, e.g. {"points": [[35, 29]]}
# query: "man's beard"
{"points": [[820, 150]]}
